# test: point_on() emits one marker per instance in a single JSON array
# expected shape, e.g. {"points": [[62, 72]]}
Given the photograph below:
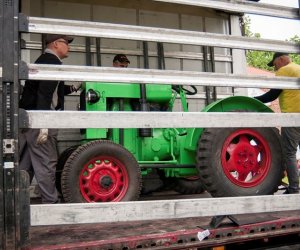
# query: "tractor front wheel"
{"points": [[101, 171], [60, 165], [240, 162]]}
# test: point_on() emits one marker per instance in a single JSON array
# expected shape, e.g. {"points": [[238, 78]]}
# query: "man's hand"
{"points": [[75, 86], [42, 137]]}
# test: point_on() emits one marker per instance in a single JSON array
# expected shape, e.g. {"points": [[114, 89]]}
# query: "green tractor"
{"points": [[118, 164]]}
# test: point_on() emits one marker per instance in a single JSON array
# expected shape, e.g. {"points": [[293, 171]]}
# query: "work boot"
{"points": [[291, 191]]}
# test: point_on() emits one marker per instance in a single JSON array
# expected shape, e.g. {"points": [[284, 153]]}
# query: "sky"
{"points": [[276, 28]]}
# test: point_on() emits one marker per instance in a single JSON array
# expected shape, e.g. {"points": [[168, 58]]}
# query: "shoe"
{"points": [[288, 191]]}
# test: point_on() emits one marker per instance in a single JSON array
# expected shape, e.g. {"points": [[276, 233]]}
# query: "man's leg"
{"points": [[25, 161], [44, 160], [290, 141]]}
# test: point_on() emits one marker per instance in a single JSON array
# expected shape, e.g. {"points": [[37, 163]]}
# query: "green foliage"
{"points": [[295, 57], [260, 59]]}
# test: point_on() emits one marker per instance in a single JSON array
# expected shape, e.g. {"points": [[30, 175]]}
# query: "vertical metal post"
{"points": [[144, 105], [88, 53], [211, 93], [98, 52], [2, 215], [161, 56], [206, 69], [213, 69], [13, 237]]}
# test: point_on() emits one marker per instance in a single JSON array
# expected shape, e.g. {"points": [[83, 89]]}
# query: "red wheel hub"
{"points": [[246, 158], [103, 179]]}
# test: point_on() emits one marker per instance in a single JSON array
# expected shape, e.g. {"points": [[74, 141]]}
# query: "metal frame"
{"points": [[33, 45], [239, 7], [140, 33], [13, 219], [96, 119], [14, 211], [10, 188], [2, 215], [174, 77]]}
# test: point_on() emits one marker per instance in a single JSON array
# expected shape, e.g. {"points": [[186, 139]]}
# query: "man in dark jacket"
{"points": [[38, 147]]}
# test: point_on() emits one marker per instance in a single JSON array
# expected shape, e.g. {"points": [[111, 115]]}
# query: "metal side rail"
{"points": [[140, 33], [160, 209], [174, 77], [35, 45], [98, 119], [241, 7]]}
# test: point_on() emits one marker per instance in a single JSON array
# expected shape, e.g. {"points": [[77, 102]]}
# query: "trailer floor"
{"points": [[165, 234]]}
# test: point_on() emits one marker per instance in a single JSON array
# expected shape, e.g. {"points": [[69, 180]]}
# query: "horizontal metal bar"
{"points": [[168, 54], [140, 33], [242, 7], [95, 119], [159, 209], [110, 74]]}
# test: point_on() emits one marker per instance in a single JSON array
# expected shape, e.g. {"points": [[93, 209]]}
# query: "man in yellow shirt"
{"points": [[289, 101]]}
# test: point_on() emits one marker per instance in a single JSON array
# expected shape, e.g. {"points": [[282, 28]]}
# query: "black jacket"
{"points": [[269, 96], [38, 95]]}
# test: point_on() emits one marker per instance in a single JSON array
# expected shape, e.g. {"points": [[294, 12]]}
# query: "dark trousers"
{"points": [[40, 160], [290, 141]]}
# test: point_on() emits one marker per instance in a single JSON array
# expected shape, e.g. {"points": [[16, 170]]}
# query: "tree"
{"points": [[260, 59], [295, 57]]}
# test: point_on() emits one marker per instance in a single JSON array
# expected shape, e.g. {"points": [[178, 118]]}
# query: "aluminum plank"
{"points": [[174, 77], [159, 209], [97, 119], [140, 33], [241, 7]]}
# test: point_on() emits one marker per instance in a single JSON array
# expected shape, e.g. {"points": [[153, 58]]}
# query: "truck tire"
{"points": [[101, 171], [240, 161], [190, 185], [63, 157]]}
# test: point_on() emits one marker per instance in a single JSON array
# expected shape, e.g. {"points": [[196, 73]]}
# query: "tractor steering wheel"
{"points": [[186, 91]]}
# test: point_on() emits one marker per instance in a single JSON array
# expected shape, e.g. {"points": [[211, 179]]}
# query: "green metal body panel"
{"points": [[165, 146]]}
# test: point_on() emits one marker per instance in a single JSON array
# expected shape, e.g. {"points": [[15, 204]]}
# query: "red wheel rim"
{"points": [[103, 179], [246, 158]]}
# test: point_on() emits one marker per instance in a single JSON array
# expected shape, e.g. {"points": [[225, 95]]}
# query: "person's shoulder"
{"points": [[47, 58], [292, 69]]}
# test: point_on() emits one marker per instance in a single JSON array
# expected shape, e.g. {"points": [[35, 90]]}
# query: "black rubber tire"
{"points": [[63, 157], [211, 171], [188, 186], [83, 154]]}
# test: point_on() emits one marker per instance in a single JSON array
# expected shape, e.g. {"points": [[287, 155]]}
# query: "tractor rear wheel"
{"points": [[240, 161], [101, 171]]}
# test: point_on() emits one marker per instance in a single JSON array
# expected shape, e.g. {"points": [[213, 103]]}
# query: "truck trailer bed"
{"points": [[240, 231]]}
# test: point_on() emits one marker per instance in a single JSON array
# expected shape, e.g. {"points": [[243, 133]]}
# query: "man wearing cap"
{"points": [[121, 61], [289, 101], [38, 149]]}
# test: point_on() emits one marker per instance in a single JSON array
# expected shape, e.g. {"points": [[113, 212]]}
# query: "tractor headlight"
{"points": [[92, 96]]}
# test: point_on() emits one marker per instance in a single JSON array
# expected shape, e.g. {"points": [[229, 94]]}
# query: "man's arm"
{"points": [[269, 96]]}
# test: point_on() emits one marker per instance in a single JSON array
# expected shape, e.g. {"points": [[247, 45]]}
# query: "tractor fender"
{"points": [[232, 103]]}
